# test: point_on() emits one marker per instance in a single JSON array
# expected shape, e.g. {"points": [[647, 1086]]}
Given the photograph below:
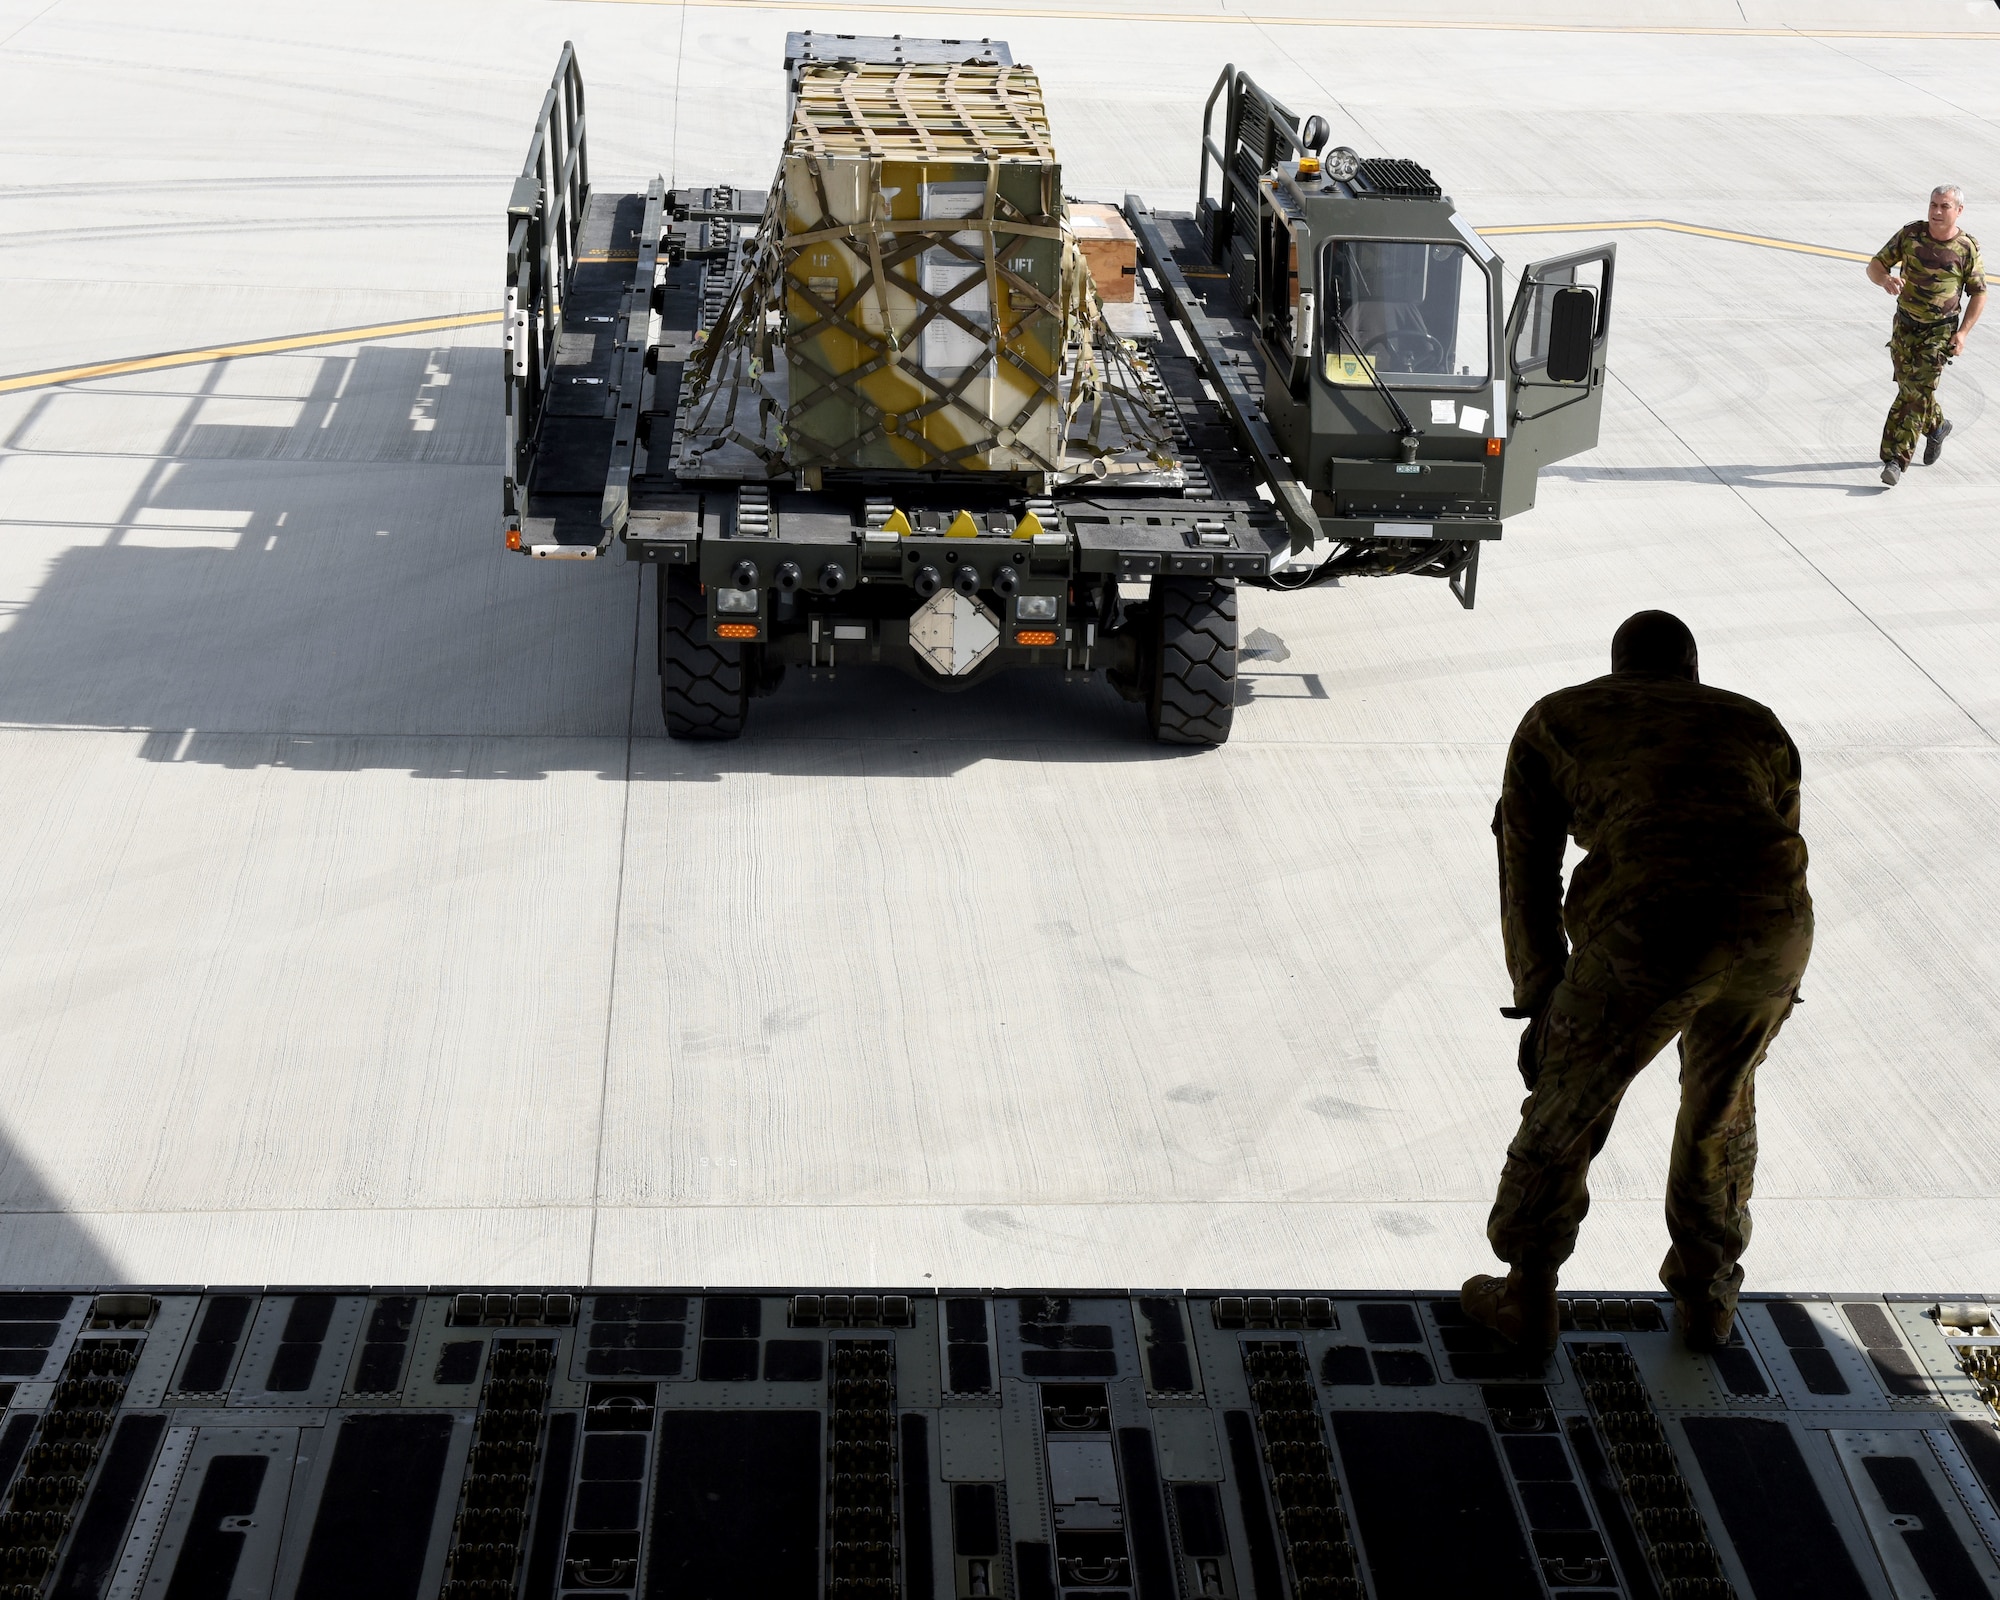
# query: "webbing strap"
{"points": [[1107, 394]]}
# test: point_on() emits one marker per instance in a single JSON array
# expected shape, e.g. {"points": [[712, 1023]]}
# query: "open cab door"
{"points": [[1558, 341]]}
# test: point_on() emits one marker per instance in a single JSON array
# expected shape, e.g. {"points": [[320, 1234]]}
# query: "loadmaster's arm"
{"points": [[1883, 278], [1975, 308], [1532, 824], [1881, 268]]}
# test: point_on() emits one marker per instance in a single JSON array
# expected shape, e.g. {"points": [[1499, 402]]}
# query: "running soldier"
{"points": [[1926, 267], [1689, 916]]}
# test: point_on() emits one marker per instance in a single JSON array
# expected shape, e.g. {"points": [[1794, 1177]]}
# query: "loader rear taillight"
{"points": [[736, 630], [1034, 636], [1493, 446]]}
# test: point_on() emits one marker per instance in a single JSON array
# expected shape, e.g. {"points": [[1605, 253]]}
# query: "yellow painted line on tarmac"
{"points": [[1240, 19], [53, 376], [1661, 225]]}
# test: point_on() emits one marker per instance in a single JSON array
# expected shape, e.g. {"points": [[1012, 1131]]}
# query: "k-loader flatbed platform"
{"points": [[908, 406]]}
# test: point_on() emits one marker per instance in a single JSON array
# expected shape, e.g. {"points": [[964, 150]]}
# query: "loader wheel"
{"points": [[1194, 675], [704, 690]]}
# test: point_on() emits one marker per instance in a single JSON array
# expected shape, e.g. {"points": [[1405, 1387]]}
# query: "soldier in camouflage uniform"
{"points": [[1927, 266], [1689, 917]]}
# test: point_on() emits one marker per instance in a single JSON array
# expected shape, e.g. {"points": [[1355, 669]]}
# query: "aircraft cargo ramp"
{"points": [[1103, 1446]]}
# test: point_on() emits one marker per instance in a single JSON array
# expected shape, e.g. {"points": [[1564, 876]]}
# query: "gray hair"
{"points": [[1957, 194]]}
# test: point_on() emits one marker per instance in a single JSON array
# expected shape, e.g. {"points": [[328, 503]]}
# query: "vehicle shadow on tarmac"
{"points": [[296, 563], [876, 721]]}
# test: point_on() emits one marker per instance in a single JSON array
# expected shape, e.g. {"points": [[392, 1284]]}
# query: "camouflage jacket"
{"points": [[1934, 274], [1669, 786]]}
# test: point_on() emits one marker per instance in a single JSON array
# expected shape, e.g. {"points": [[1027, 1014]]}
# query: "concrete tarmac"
{"points": [[359, 923]]}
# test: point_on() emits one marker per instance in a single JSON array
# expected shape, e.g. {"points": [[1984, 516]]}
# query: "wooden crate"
{"points": [[1109, 250], [925, 310]]}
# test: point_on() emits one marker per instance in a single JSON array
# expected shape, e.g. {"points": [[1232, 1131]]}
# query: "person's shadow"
{"points": [[1795, 475]]}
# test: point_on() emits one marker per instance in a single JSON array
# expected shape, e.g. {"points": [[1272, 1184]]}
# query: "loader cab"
{"points": [[1360, 293], [1418, 310], [1405, 392], [1387, 346]]}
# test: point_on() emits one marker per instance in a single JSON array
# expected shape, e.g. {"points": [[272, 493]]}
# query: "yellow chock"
{"points": [[1028, 526], [897, 523], [962, 527]]}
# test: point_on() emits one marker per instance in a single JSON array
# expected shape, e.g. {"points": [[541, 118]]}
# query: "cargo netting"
{"points": [[912, 299]]}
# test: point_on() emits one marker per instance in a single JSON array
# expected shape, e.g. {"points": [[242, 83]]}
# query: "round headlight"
{"points": [[1340, 163]]}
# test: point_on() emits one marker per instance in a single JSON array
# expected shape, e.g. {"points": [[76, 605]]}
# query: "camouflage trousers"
{"points": [[1918, 354], [1723, 976]]}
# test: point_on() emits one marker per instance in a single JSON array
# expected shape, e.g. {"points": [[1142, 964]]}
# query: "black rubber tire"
{"points": [[1193, 698], [704, 689]]}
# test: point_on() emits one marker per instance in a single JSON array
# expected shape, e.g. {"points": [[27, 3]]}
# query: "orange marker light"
{"points": [[1034, 636], [513, 538], [1493, 447], [736, 630]]}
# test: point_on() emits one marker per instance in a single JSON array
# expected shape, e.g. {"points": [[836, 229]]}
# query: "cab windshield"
{"points": [[1419, 314]]}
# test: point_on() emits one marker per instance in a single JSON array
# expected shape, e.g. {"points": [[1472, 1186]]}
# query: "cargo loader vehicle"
{"points": [[913, 405]]}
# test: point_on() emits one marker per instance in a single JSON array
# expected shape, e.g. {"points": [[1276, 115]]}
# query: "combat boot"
{"points": [[1934, 441], [1705, 1327], [1520, 1307], [1892, 472]]}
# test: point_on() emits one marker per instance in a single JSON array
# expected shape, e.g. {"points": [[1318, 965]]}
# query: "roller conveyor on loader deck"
{"points": [[840, 1443], [1312, 379]]}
